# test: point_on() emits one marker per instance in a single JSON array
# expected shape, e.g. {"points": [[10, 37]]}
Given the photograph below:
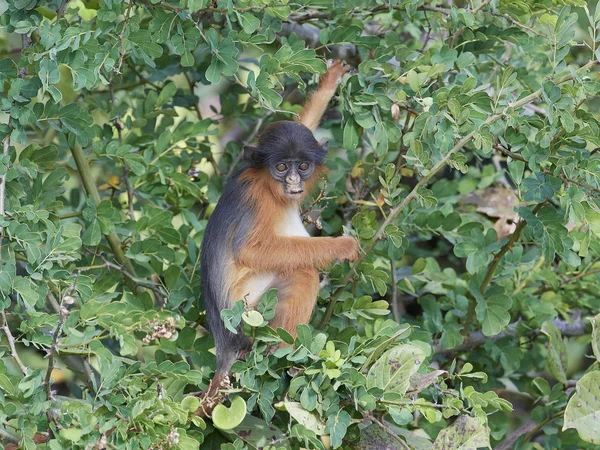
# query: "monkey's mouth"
{"points": [[294, 193]]}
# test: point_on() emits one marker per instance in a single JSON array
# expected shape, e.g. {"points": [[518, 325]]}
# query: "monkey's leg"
{"points": [[296, 300]]}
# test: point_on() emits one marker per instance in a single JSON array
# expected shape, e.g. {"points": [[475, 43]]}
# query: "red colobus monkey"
{"points": [[255, 239]]}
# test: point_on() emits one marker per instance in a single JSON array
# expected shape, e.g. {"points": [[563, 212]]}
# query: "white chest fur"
{"points": [[291, 224]]}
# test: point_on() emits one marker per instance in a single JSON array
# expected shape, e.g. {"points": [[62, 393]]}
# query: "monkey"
{"points": [[255, 240]]}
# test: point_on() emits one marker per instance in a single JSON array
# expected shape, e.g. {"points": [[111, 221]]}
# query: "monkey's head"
{"points": [[291, 153]]}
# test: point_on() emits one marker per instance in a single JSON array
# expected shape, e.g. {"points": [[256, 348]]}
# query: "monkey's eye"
{"points": [[304, 166], [281, 167]]}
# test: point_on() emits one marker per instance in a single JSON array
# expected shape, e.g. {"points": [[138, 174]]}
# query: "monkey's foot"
{"points": [[212, 396]]}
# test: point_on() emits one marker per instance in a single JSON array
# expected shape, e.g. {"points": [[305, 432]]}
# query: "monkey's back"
{"points": [[225, 232]]}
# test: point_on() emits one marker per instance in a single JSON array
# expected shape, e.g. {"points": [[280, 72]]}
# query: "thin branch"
{"points": [[578, 327], [5, 153], [5, 435], [562, 177], [117, 69], [11, 345], [113, 239], [110, 265], [481, 6], [414, 193], [569, 281], [63, 313], [61, 10], [516, 23], [389, 430], [493, 266], [249, 139]]}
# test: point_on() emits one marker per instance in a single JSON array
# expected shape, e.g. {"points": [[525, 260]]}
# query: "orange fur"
{"points": [[317, 104], [294, 260]]}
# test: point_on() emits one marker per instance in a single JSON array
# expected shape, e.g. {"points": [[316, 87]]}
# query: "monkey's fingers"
{"points": [[335, 71]]}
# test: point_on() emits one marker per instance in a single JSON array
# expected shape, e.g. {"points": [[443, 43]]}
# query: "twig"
{"points": [[529, 429], [508, 442], [249, 139], [569, 281], [11, 344], [110, 265], [493, 266], [63, 313], [5, 152], [117, 69], [60, 10], [192, 86], [414, 193], [481, 6], [210, 158], [5, 435], [389, 430], [516, 23], [113, 239], [578, 327], [562, 177]]}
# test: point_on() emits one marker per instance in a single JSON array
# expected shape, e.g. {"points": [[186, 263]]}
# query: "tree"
{"points": [[463, 154]]}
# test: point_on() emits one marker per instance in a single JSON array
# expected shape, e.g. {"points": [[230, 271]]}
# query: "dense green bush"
{"points": [[464, 154]]}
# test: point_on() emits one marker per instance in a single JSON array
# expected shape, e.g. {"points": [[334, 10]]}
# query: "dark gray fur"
{"points": [[229, 224]]}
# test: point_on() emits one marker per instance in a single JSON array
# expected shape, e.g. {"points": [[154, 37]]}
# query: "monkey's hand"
{"points": [[348, 250], [336, 70]]}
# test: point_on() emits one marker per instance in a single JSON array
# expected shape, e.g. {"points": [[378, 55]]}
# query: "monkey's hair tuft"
{"points": [[286, 140]]}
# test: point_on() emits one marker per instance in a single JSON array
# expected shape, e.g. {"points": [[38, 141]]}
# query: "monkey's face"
{"points": [[292, 175]]}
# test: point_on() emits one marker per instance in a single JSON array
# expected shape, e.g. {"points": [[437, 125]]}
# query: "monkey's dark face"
{"points": [[292, 174], [290, 152]]}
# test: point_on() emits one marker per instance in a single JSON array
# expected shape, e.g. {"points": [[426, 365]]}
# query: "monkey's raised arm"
{"points": [[287, 254], [317, 104]]}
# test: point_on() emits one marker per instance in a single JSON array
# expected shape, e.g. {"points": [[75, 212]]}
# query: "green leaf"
{"points": [[557, 352], [596, 336], [393, 370], [337, 425], [143, 39], [583, 409], [228, 418], [497, 314], [71, 434], [249, 22], [253, 318], [466, 433]]}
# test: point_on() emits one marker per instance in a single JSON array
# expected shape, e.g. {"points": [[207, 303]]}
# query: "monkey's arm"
{"points": [[313, 110], [285, 254]]}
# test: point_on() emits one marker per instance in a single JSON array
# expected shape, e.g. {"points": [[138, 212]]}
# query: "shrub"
{"points": [[463, 155]]}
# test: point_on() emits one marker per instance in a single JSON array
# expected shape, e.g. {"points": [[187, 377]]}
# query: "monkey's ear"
{"points": [[250, 153], [324, 144]]}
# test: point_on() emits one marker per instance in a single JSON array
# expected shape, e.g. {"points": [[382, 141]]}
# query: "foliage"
{"points": [[463, 155]]}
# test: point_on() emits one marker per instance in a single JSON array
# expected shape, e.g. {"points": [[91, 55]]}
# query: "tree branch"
{"points": [[124, 271], [113, 239], [494, 265], [578, 327], [388, 430], [11, 344], [63, 313], [5, 435], [414, 193]]}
